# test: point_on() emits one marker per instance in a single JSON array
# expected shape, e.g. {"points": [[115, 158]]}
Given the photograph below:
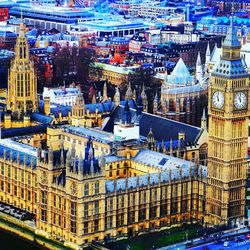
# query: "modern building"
{"points": [[119, 28], [56, 17]]}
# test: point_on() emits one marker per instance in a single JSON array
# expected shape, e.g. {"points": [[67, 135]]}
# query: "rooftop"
{"points": [[20, 147], [95, 134], [169, 168]]}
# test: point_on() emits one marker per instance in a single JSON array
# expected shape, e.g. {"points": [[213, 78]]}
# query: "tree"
{"points": [[85, 57], [72, 64]]}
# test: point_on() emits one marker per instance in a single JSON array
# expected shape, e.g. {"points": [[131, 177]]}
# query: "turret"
{"points": [[126, 119], [129, 93], [155, 105], [117, 97], [151, 139], [46, 100], [134, 95], [208, 54], [144, 99], [78, 111], [204, 120], [102, 161], [164, 107], [171, 147], [199, 70], [93, 99], [105, 93]]}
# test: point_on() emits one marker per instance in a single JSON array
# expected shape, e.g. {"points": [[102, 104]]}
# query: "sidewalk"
{"points": [[199, 241]]}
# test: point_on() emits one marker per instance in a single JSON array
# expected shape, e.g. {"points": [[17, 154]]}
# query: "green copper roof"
{"points": [[231, 39]]}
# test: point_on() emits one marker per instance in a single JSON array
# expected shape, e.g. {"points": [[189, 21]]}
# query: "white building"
{"points": [[62, 96]]}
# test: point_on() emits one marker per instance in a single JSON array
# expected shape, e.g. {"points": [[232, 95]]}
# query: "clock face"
{"points": [[240, 100], [218, 99]]}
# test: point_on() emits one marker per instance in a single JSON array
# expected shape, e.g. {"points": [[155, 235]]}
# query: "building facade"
{"points": [[81, 199], [228, 135], [22, 97]]}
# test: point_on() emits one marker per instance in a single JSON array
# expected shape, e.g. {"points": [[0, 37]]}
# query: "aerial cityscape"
{"points": [[124, 124]]}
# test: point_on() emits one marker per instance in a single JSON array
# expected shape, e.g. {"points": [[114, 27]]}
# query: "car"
{"points": [[226, 244], [6, 210], [248, 236]]}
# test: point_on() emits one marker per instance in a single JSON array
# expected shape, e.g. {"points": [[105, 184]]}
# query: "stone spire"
{"points": [[204, 120], [105, 93], [231, 39], [164, 107], [155, 105], [22, 84], [150, 137], [199, 70], [129, 92], [102, 161], [93, 99], [134, 95], [208, 53], [144, 99], [117, 97], [171, 147], [126, 117]]}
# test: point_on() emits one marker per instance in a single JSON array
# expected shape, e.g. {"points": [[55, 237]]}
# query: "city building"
{"points": [[22, 97], [56, 17], [61, 96], [106, 171], [114, 74], [228, 112], [183, 96]]}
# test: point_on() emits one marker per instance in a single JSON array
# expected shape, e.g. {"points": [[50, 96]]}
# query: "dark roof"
{"points": [[162, 128], [12, 154], [11, 132], [41, 118]]}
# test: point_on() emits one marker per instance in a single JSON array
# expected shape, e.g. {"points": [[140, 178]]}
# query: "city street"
{"points": [[236, 238], [240, 242]]}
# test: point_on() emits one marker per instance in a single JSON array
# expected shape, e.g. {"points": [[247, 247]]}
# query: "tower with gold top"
{"points": [[228, 134], [22, 84]]}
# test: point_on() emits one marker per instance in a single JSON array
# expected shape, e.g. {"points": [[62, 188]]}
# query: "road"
{"points": [[211, 244], [237, 243]]}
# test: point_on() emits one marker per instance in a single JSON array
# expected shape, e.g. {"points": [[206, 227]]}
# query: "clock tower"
{"points": [[228, 110], [22, 85]]}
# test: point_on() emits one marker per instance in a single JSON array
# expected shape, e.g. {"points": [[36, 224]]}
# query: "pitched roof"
{"points": [[180, 75]]}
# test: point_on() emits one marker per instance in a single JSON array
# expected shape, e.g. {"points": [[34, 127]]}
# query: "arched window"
{"points": [[86, 189], [97, 187]]}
